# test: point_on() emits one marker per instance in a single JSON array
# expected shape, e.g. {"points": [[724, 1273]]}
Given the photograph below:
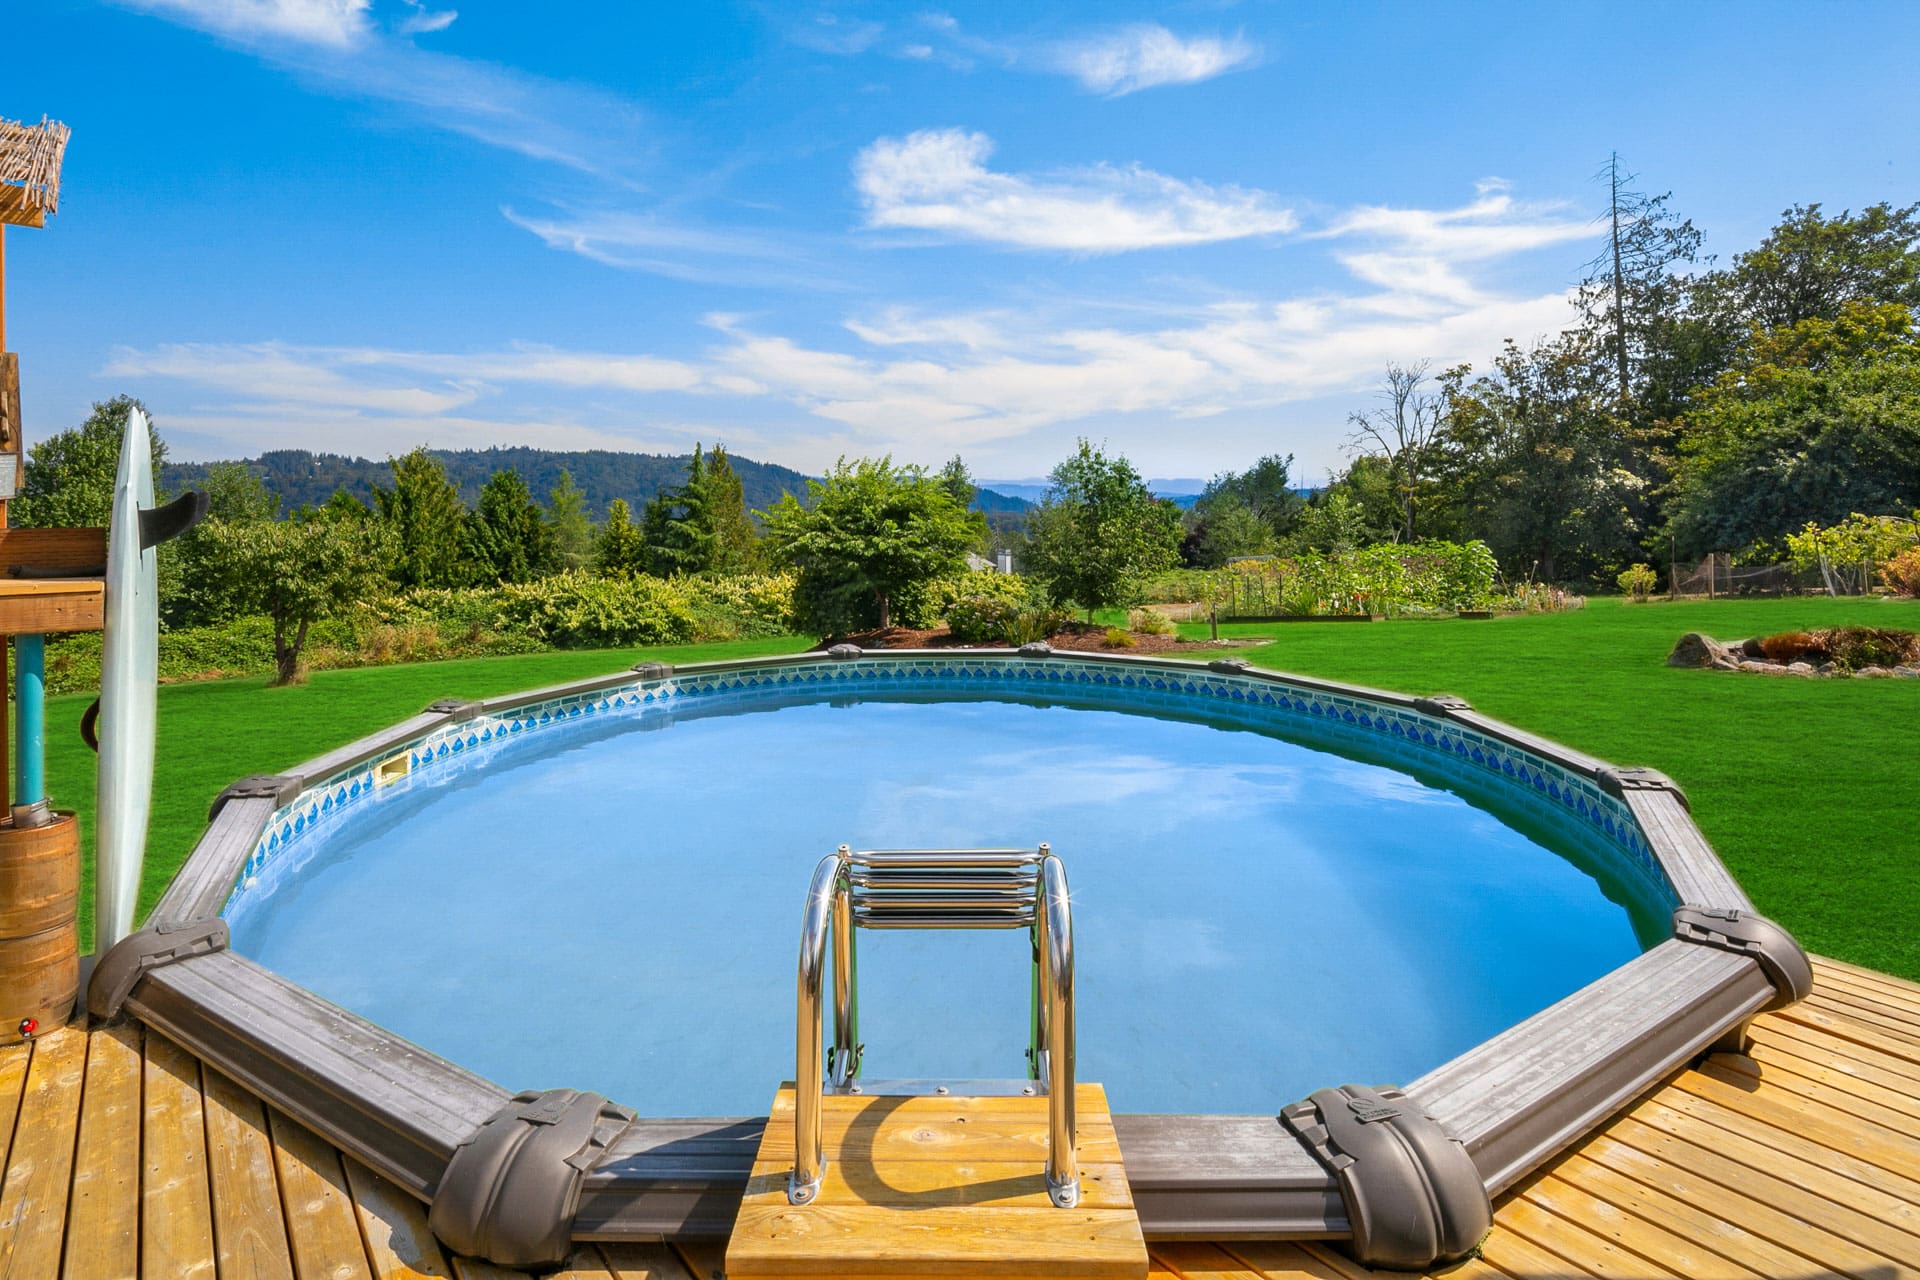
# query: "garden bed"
{"points": [[1854, 651]]}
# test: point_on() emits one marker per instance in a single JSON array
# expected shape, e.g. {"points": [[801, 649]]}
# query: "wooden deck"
{"points": [[938, 1186], [126, 1157]]}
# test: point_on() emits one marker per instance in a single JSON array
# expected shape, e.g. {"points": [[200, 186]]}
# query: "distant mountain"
{"points": [[300, 477]]}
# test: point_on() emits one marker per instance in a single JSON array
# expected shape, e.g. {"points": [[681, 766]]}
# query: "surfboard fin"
{"points": [[163, 524], [90, 726]]}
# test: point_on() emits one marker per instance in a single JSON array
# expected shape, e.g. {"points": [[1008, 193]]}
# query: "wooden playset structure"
{"points": [[51, 580]]}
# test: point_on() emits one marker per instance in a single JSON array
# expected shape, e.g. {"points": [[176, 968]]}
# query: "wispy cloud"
{"points": [[938, 180], [335, 24], [335, 46], [1146, 55], [645, 242], [920, 383], [424, 21]]}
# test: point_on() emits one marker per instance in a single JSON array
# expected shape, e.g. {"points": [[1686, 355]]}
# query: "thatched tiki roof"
{"points": [[30, 170]]}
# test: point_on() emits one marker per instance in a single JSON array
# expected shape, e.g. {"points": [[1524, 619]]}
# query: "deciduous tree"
{"points": [[868, 531], [1100, 532], [296, 572]]}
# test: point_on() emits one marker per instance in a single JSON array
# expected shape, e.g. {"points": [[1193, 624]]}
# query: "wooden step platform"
{"points": [[938, 1186]]}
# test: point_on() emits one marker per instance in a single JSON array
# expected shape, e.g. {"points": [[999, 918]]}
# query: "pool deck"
{"points": [[125, 1157]]}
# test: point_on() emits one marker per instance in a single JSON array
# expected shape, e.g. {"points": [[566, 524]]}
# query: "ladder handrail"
{"points": [[832, 914]]}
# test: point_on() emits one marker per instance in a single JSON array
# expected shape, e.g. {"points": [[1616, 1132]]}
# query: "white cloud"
{"points": [[1145, 55], [423, 21], [333, 23], [333, 45], [1493, 225], [642, 242], [937, 180]]}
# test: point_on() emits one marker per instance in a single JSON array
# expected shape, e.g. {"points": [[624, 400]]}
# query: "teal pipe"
{"points": [[30, 719]]}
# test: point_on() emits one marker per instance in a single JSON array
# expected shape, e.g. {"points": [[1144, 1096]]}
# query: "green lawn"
{"points": [[1808, 789]]}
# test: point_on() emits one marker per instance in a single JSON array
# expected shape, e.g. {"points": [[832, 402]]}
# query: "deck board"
{"points": [[122, 1156], [103, 1212]]}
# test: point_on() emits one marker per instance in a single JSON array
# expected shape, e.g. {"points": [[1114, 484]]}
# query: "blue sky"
{"points": [[1196, 232]]}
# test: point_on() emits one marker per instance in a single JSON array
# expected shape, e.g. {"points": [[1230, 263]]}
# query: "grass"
{"points": [[212, 732], [1806, 788]]}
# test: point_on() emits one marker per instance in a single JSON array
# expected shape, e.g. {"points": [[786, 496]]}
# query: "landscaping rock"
{"points": [[1907, 673], [1726, 662], [1696, 650], [1800, 668], [1873, 673], [1763, 668]]}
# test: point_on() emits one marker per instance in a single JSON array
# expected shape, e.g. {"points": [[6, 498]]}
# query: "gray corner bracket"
{"points": [[512, 1189], [653, 670], [1229, 666], [135, 956], [460, 709], [1747, 934], [1035, 649], [1441, 704], [277, 787], [844, 652], [1618, 782], [1414, 1198]]}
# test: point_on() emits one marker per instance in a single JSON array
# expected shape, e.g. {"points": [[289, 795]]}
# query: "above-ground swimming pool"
{"points": [[1278, 884], [1266, 898]]}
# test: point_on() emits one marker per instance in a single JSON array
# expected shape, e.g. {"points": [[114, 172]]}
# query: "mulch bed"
{"points": [[1080, 636]]}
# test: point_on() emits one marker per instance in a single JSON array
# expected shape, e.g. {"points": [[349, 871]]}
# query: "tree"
{"points": [[702, 526], [1554, 492], [296, 572], [867, 532], [735, 546], [68, 478], [1401, 433], [235, 495], [1359, 507], [1221, 529], [1811, 266], [621, 547], [424, 513], [679, 535], [958, 481], [1100, 533], [506, 538], [1637, 290], [1814, 422], [569, 530]]}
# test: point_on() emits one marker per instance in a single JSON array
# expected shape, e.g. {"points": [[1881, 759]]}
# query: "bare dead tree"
{"points": [[1401, 432]]}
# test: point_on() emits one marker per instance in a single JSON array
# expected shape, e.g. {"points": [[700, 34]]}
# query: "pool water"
{"points": [[615, 904]]}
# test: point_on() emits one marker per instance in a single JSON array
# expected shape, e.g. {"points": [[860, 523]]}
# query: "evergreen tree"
{"points": [[621, 547], [679, 535], [506, 539], [424, 514], [567, 524], [735, 546]]}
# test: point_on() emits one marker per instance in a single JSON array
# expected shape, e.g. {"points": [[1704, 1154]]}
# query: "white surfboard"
{"points": [[129, 668]]}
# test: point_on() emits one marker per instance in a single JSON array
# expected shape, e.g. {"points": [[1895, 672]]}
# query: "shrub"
{"points": [[1846, 553], [575, 610], [1151, 622], [1851, 648], [740, 606], [1792, 646], [1639, 581], [1118, 638], [1902, 573], [1423, 578]]}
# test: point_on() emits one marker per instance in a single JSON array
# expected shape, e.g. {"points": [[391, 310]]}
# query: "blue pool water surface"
{"points": [[615, 904]]}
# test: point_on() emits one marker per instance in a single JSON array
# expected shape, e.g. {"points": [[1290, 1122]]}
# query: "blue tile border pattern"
{"points": [[1567, 800]]}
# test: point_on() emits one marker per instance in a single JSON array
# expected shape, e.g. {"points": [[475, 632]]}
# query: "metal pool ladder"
{"points": [[934, 889]]}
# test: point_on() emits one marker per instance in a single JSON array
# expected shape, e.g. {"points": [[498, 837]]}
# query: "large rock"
{"points": [[1696, 650]]}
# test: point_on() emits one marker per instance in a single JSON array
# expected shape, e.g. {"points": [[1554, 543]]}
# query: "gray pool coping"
{"points": [[1513, 1101]]}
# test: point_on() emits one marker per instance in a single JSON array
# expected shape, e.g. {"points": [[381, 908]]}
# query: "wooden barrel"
{"points": [[39, 940]]}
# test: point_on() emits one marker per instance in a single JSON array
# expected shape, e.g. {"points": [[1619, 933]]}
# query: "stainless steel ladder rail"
{"points": [[932, 889]]}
